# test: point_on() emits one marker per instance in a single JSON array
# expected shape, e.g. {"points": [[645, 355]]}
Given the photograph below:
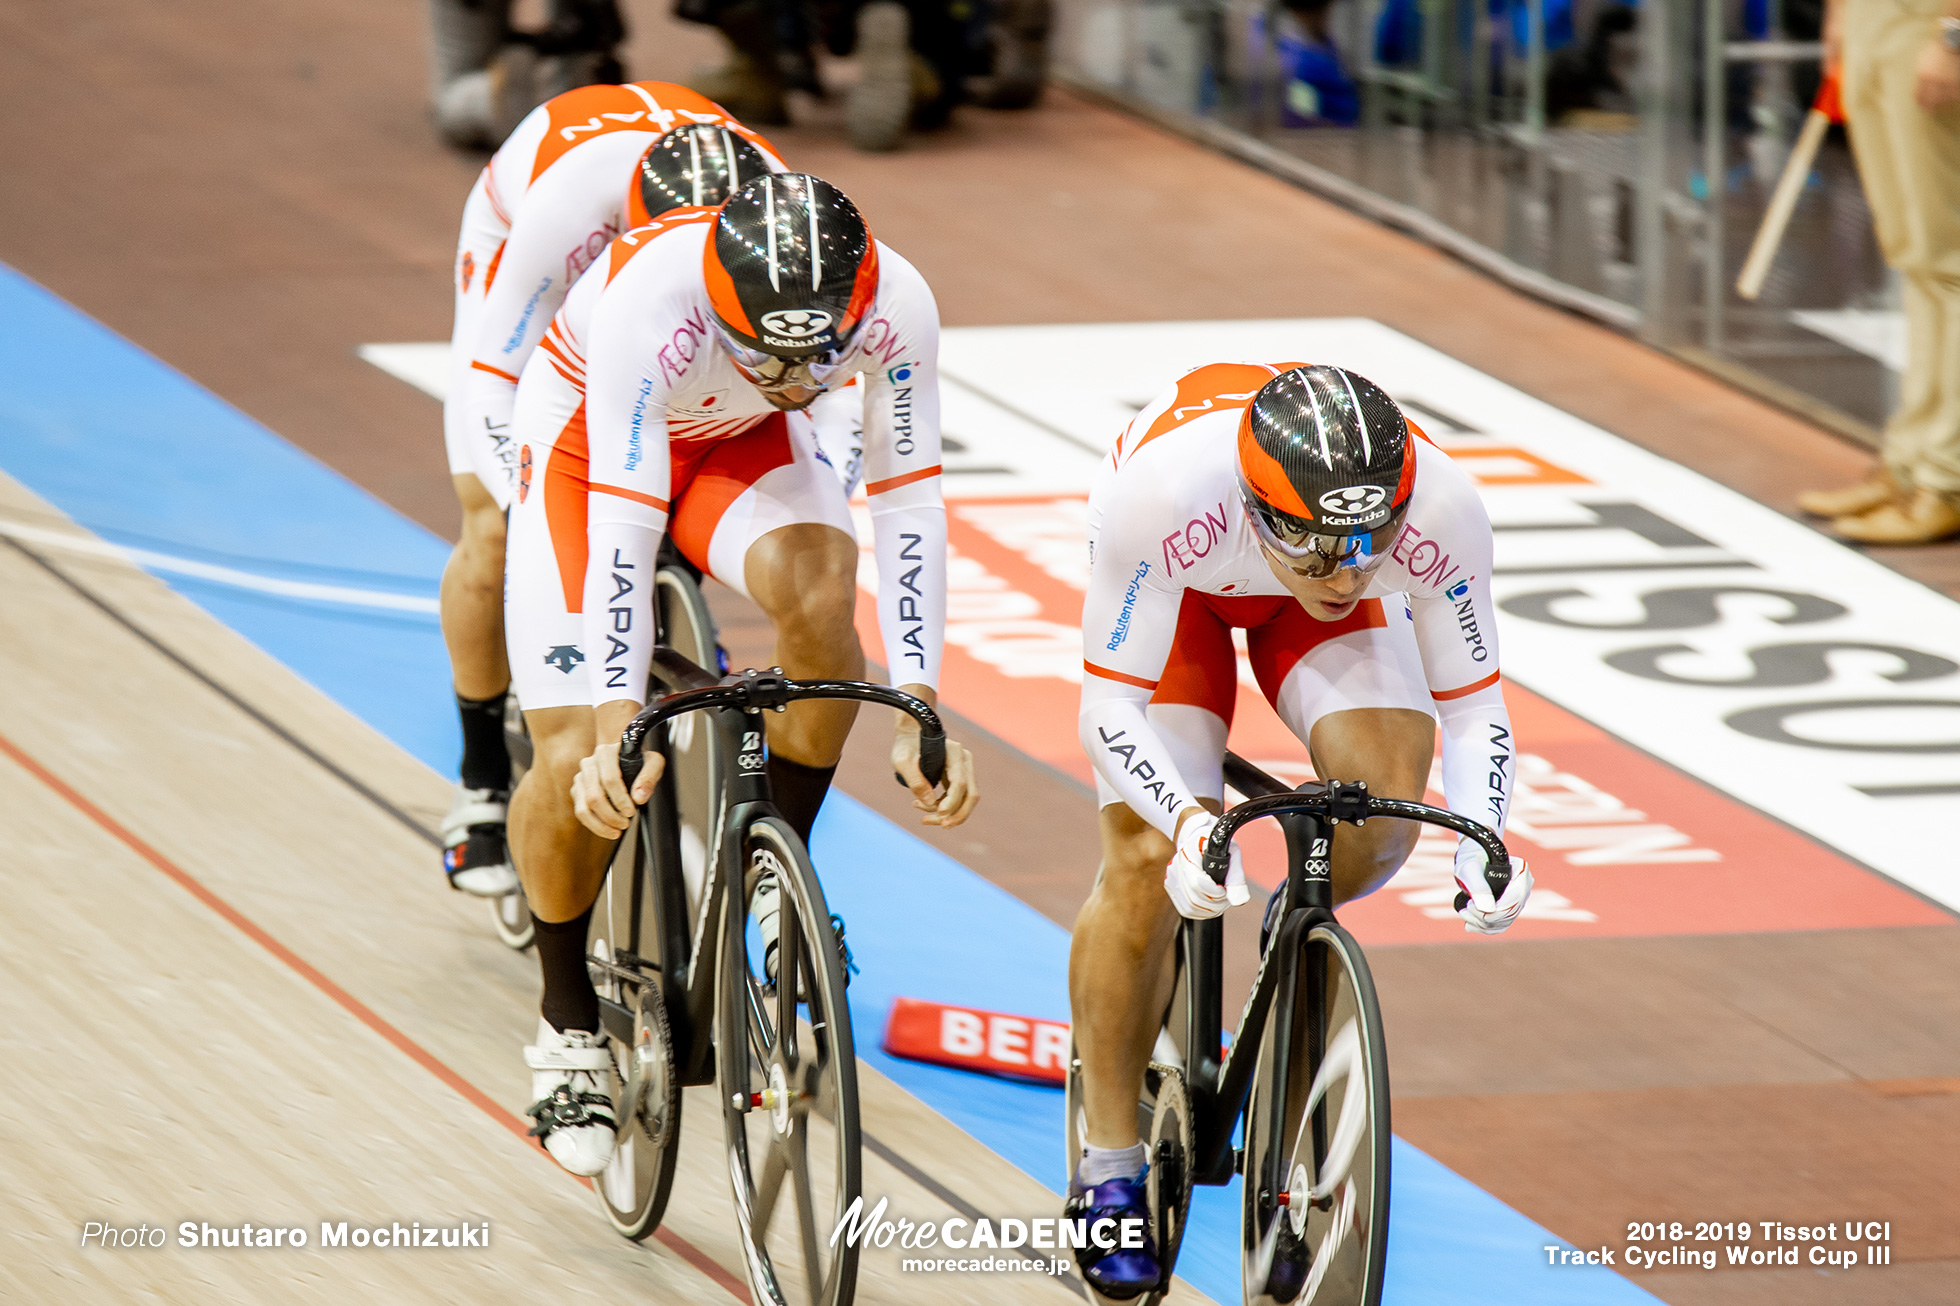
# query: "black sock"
{"points": [[486, 763], [570, 1002], [798, 791]]}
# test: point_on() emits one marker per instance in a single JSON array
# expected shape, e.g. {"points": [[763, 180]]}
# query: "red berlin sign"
{"points": [[990, 1042]]}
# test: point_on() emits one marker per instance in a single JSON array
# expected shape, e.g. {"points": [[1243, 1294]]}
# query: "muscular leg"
{"points": [[1388, 749], [473, 596], [1120, 970], [805, 578], [560, 861]]}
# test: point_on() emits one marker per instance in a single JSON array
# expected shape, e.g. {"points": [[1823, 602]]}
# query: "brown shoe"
{"points": [[1924, 518], [1874, 491]]}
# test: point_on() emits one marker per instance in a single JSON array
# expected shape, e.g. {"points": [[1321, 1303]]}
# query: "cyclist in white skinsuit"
{"points": [[1296, 503], [654, 405], [575, 173]]}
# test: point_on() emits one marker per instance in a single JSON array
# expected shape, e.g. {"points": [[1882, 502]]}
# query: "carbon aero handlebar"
{"points": [[757, 690], [1339, 801]]}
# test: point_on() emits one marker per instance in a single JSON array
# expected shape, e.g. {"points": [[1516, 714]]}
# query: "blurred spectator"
{"points": [[1598, 74], [485, 75], [1316, 86], [1900, 64]]}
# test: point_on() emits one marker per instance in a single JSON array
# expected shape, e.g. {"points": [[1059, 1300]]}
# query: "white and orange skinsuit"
{"points": [[545, 207], [633, 421], [1175, 565]]}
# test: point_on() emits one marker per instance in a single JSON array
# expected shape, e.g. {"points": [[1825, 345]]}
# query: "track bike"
{"points": [[718, 962], [1307, 1069]]}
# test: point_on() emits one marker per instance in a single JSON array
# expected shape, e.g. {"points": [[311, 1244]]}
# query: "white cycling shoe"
{"points": [[572, 1084], [473, 850]]}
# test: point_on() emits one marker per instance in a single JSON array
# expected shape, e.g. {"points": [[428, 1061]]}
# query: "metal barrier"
{"points": [[1566, 146]]}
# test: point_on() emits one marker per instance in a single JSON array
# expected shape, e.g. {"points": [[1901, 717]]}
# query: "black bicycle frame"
{"points": [[734, 707], [1306, 816]]}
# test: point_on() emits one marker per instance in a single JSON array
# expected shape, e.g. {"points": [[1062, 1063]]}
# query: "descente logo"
{"points": [[857, 1229]]}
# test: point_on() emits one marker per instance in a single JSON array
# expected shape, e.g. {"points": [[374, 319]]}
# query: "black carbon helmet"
{"points": [[1326, 466], [701, 164], [791, 267]]}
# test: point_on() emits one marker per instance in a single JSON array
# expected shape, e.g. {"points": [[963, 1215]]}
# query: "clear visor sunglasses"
{"points": [[772, 375], [1315, 556]]}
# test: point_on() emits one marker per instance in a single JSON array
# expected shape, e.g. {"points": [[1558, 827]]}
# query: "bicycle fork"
{"points": [[1219, 1087]]}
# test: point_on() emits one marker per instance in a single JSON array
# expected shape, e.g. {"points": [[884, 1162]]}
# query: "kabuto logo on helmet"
{"points": [[790, 269], [1353, 500], [797, 324]]}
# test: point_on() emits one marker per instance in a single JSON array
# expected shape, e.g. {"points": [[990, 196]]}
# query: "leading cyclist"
{"points": [[669, 396], [1297, 503]]}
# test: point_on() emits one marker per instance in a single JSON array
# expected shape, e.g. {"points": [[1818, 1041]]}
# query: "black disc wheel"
{"points": [[633, 1188], [691, 741], [624, 946], [1164, 1125], [1169, 1147], [787, 1075], [510, 914], [1315, 1207], [639, 919]]}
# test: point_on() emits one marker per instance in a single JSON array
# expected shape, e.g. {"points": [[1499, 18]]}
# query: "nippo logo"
{"points": [[1351, 500], [797, 323]]}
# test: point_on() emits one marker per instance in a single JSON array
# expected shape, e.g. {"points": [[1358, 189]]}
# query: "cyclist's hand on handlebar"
{"points": [[953, 800], [1195, 894], [600, 798], [1485, 913]]}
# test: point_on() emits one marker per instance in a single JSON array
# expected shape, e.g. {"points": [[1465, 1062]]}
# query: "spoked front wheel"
{"points": [[787, 1074], [1315, 1212]]}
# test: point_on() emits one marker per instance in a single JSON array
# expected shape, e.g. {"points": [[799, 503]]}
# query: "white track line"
{"points": [[245, 580]]}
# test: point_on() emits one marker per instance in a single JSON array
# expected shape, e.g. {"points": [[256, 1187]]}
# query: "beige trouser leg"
{"points": [[1922, 441], [1909, 161]]}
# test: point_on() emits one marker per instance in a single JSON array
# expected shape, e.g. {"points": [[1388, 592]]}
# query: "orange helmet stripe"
{"points": [[721, 290], [1264, 474], [1407, 484], [863, 290]]}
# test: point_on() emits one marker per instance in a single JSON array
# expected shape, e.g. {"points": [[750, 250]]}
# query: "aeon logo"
{"points": [[1354, 499], [797, 323]]}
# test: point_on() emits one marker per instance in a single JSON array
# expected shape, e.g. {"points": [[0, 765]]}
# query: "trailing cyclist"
{"points": [[1297, 503], [670, 396], [578, 170]]}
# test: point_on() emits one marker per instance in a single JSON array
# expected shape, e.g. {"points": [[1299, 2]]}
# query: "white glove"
{"points": [[1196, 895], [1484, 914]]}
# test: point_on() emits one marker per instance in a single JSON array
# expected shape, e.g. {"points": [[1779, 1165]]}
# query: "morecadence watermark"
{"points": [[859, 1228]]}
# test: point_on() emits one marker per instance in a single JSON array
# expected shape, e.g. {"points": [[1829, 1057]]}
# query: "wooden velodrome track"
{"points": [[250, 191], [285, 1029]]}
